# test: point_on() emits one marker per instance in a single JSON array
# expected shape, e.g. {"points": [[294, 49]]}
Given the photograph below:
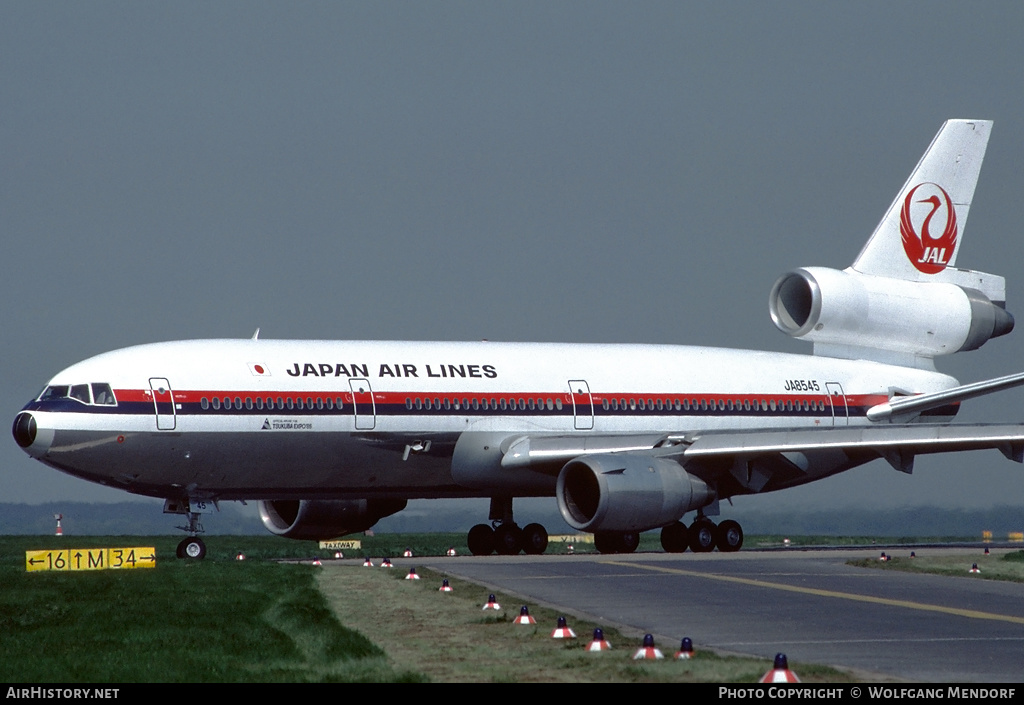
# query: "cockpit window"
{"points": [[59, 391], [102, 394]]}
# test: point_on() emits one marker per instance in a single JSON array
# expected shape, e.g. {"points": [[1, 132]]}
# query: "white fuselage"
{"points": [[271, 418]]}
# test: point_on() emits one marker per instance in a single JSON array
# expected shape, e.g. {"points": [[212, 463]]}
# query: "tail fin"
{"points": [[920, 234]]}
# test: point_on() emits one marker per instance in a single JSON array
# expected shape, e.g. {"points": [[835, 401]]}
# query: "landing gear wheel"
{"points": [[193, 548], [481, 540], [606, 542], [702, 536], [535, 539], [628, 541], [729, 536], [508, 539], [675, 537], [616, 542]]}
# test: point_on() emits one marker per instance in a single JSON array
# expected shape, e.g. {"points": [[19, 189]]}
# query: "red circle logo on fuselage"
{"points": [[929, 245]]}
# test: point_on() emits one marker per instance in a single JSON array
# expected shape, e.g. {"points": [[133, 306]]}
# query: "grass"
{"points": [[1009, 566], [218, 620]]}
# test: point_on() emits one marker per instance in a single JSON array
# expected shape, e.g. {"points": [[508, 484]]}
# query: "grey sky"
{"points": [[585, 171]]}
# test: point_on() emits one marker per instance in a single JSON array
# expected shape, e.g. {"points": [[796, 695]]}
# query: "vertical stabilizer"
{"points": [[923, 229]]}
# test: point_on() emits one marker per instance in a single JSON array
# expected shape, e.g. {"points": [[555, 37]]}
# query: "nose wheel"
{"points": [[193, 548]]}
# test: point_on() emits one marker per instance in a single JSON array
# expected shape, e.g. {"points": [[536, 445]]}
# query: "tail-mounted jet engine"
{"points": [[626, 492], [848, 311], [321, 519]]}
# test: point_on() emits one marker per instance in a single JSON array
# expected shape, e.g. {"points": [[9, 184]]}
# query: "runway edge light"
{"points": [[524, 617], [648, 650], [599, 643], [780, 672], [685, 650], [562, 630]]}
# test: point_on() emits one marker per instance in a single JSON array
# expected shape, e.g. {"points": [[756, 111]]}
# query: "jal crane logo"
{"points": [[926, 206]]}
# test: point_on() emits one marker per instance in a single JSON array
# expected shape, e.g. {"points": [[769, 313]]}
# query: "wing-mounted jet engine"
{"points": [[322, 519]]}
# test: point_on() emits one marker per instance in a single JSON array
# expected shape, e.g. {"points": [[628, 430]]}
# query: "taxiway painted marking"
{"points": [[971, 614]]}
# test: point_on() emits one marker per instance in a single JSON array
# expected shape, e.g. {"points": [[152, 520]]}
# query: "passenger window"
{"points": [[204, 403], [216, 403]]}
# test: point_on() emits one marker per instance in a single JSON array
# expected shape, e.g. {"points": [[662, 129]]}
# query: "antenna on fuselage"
{"points": [[256, 335]]}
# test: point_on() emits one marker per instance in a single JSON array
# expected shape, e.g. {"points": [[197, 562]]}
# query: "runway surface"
{"points": [[811, 606]]}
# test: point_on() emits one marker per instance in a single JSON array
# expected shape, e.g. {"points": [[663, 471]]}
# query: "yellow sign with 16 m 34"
{"points": [[91, 559]]}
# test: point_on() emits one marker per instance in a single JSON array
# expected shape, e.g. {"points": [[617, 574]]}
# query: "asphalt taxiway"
{"points": [[810, 605]]}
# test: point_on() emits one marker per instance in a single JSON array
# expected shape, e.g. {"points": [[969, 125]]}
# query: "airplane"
{"points": [[329, 437]]}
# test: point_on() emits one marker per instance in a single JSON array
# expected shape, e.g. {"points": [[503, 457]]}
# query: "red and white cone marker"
{"points": [[562, 630], [386, 563], [570, 549], [451, 551], [316, 561], [367, 563], [599, 643], [685, 650], [524, 617], [339, 554], [491, 604], [60, 531], [883, 557], [239, 556], [780, 672], [986, 550], [648, 650], [974, 568], [412, 575], [445, 587], [913, 554], [408, 553]]}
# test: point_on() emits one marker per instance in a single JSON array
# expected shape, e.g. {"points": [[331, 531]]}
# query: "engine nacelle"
{"points": [[322, 519], [852, 310], [627, 492]]}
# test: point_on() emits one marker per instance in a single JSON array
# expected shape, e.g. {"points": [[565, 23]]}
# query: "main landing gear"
{"points": [[702, 536], [506, 538]]}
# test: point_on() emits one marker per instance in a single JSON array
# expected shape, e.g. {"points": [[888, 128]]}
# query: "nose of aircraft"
{"points": [[26, 434]]}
